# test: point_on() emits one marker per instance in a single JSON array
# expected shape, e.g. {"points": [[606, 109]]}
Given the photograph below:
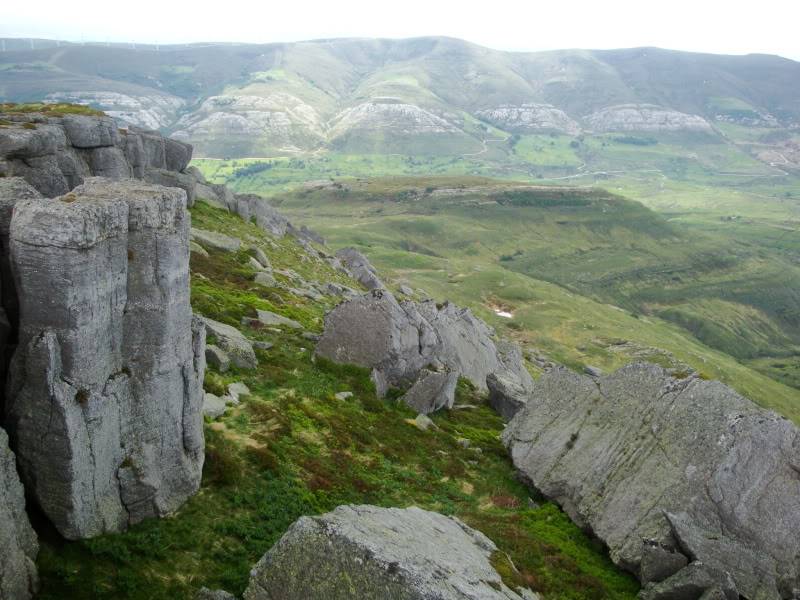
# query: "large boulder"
{"points": [[396, 340], [375, 331], [105, 390], [18, 545], [360, 268], [371, 553], [432, 391], [646, 460]]}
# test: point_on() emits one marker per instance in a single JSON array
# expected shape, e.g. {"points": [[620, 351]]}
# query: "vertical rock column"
{"points": [[18, 546], [104, 394]]}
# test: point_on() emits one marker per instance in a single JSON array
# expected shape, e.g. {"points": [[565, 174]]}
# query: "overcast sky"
{"points": [[720, 26]]}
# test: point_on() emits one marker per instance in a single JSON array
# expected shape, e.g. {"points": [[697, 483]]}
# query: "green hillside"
{"points": [[292, 448]]}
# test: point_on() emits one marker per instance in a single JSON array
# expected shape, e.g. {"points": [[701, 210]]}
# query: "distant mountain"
{"points": [[434, 96]]}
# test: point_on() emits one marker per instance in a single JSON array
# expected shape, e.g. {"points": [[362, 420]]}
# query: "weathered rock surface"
{"points": [[373, 553], [360, 268], [432, 391], [396, 340], [376, 332], [644, 117], [18, 544], [105, 391], [233, 342], [55, 154], [643, 458], [216, 240]]}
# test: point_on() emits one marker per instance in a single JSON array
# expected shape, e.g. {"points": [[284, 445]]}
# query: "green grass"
{"points": [[56, 109], [292, 449], [591, 278]]}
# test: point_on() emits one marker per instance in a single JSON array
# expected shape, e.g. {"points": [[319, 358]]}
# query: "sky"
{"points": [[725, 27]]}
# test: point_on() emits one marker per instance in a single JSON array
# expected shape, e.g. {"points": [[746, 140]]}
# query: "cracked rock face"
{"points": [[530, 118], [360, 268], [18, 544], [105, 390], [375, 553], [646, 460], [56, 154]]}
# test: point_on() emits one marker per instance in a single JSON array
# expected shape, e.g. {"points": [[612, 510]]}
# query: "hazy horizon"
{"points": [[710, 27]]}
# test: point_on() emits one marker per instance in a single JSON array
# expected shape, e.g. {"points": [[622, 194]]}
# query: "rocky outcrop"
{"points": [[105, 389], [359, 268], [18, 544], [397, 340], [375, 553], [432, 391], [529, 118], [644, 117], [654, 464], [150, 111], [56, 153]]}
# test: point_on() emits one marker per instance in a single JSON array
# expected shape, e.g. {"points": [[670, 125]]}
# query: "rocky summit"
{"points": [[669, 472], [374, 553]]}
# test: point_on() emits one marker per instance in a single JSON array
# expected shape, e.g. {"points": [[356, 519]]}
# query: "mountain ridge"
{"points": [[425, 95]]}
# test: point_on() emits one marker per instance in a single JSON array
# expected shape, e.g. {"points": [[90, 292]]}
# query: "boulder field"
{"points": [[669, 472]]}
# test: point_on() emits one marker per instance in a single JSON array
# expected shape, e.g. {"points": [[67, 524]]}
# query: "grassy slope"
{"points": [[463, 249], [292, 449]]}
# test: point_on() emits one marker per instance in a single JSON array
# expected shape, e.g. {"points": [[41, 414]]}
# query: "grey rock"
{"points": [[692, 583], [397, 340], [233, 342], [507, 395], [196, 248], [310, 336], [266, 317], [593, 371], [105, 391], [375, 553], [644, 117], [12, 190], [173, 179], [376, 332], [659, 562], [255, 208], [621, 452], [252, 262], [308, 292], [465, 344], [218, 241], [236, 390], [423, 422], [406, 291], [108, 161], [360, 268], [343, 291], [753, 570], [217, 358], [343, 395], [260, 345], [177, 155], [265, 279], [18, 543], [213, 406], [432, 391], [90, 132], [207, 594], [261, 257]]}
